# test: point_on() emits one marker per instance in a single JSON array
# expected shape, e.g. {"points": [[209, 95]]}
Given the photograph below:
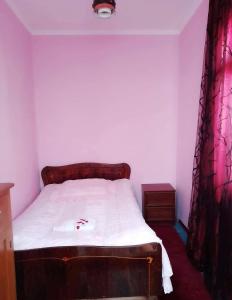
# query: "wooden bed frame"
{"points": [[88, 272]]}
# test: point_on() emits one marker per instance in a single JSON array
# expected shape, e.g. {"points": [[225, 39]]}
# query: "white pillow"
{"points": [[82, 187]]}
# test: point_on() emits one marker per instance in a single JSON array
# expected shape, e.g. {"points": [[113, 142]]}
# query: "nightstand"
{"points": [[158, 203]]}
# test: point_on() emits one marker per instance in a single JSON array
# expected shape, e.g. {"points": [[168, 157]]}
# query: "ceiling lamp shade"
{"points": [[104, 8]]}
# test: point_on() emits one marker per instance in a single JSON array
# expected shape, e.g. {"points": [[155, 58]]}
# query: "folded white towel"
{"points": [[75, 225], [90, 225], [65, 226]]}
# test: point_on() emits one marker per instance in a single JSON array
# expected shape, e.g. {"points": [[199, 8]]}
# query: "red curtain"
{"points": [[210, 221]]}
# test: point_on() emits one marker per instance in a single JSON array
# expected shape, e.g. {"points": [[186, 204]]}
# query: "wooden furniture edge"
{"points": [[59, 174], [4, 188]]}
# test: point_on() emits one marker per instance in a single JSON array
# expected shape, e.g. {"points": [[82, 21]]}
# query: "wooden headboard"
{"points": [[85, 170]]}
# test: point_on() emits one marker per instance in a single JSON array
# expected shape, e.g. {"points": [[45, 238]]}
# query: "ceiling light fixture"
{"points": [[104, 8]]}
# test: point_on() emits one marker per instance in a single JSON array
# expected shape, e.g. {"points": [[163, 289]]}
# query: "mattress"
{"points": [[88, 212]]}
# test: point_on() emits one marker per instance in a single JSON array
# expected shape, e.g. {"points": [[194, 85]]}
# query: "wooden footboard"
{"points": [[89, 272]]}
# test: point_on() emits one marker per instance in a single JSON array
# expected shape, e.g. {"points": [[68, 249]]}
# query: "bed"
{"points": [[84, 238]]}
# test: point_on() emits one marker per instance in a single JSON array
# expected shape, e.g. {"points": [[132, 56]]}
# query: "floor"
{"points": [[126, 298], [187, 281]]}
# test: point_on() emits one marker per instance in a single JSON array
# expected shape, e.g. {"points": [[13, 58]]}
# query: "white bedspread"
{"points": [[112, 207]]}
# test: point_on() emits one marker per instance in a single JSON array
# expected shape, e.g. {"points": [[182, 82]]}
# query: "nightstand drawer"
{"points": [[159, 199], [160, 214], [159, 203]]}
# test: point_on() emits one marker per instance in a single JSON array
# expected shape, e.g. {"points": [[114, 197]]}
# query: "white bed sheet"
{"points": [[111, 205]]}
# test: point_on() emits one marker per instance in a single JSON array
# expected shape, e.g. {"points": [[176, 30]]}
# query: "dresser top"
{"points": [[158, 187], [4, 187]]}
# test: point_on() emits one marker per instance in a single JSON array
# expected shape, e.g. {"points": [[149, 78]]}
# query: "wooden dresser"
{"points": [[7, 266], [158, 203]]}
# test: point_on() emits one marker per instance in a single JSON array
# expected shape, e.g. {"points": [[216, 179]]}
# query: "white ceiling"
{"points": [[131, 17]]}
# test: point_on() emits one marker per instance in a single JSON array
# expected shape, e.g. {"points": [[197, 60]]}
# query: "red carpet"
{"points": [[187, 281]]}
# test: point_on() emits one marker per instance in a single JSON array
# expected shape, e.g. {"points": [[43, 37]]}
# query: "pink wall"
{"points": [[108, 99], [99, 98], [18, 159], [191, 48]]}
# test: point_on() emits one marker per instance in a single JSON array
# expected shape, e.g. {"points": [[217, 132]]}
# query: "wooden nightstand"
{"points": [[158, 203]]}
